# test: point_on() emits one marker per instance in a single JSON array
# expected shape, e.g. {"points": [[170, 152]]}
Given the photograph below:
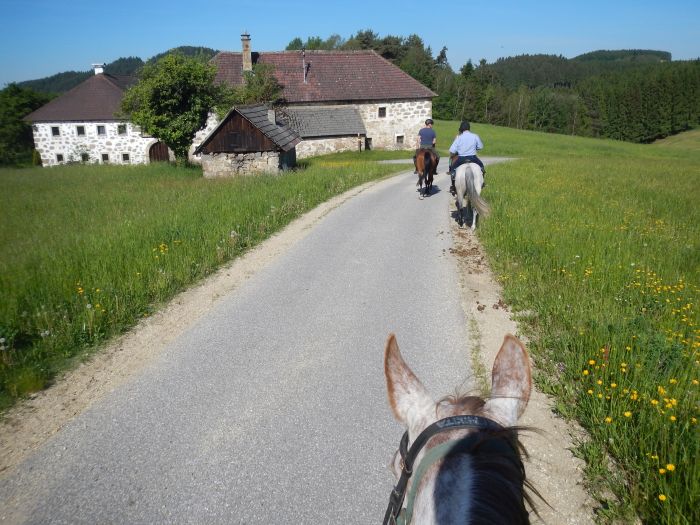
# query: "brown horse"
{"points": [[426, 165], [460, 459]]}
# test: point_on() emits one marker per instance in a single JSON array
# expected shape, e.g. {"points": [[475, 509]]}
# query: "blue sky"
{"points": [[43, 37]]}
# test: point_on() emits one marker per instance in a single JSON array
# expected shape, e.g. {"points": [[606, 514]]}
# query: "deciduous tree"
{"points": [[172, 100]]}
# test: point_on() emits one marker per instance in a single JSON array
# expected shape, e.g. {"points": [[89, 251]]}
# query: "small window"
{"points": [[84, 157], [59, 157], [125, 157], [382, 112], [80, 130], [399, 139], [105, 158], [101, 130], [55, 131], [121, 129]]}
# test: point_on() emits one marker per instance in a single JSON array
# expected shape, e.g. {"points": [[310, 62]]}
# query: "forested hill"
{"points": [[557, 71], [62, 82]]}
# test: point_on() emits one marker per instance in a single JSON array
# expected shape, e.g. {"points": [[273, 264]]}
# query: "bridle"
{"points": [[408, 456]]}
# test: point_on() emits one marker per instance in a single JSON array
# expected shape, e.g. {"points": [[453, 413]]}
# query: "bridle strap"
{"points": [[409, 456]]}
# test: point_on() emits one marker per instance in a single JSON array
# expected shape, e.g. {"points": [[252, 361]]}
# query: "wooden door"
{"points": [[158, 153]]}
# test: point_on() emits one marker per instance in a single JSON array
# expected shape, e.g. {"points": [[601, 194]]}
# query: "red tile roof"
{"points": [[96, 99], [333, 76]]}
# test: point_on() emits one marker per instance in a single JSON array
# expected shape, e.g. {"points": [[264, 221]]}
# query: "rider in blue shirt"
{"points": [[463, 150], [427, 139]]}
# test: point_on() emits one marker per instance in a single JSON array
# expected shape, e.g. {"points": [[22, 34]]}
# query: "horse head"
{"points": [[471, 467]]}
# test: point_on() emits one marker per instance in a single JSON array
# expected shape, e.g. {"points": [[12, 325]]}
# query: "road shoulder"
{"points": [[551, 467]]}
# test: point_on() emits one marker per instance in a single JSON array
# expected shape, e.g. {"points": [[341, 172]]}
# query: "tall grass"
{"points": [[597, 244], [87, 251]]}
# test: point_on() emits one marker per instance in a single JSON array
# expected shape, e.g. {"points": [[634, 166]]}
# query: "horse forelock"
{"points": [[483, 484]]}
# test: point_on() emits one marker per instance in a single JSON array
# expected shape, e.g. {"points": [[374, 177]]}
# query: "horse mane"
{"points": [[500, 488]]}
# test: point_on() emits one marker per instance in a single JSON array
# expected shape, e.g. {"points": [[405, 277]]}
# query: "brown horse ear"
{"points": [[408, 398], [511, 382]]}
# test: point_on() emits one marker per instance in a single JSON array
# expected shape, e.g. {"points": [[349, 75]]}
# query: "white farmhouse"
{"points": [[82, 125]]}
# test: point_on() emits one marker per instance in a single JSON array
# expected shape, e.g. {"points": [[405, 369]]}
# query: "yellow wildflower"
{"points": [[628, 414], [662, 471], [670, 467], [608, 419], [662, 497]]}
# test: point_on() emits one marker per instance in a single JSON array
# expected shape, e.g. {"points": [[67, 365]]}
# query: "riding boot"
{"points": [[453, 190]]}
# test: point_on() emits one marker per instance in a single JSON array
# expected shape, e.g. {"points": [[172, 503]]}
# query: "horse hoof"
{"points": [[421, 197]]}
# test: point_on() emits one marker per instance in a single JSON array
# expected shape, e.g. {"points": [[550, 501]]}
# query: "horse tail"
{"points": [[479, 204], [427, 163]]}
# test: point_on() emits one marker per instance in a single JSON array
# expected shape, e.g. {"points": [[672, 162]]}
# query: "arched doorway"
{"points": [[158, 152]]}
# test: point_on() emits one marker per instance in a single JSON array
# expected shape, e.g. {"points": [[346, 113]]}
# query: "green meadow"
{"points": [[87, 251], [596, 244]]}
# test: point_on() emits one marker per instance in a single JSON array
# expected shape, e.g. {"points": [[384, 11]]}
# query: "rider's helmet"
{"points": [[464, 126], [429, 122]]}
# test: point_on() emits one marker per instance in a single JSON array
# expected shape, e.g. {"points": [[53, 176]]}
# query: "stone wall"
{"points": [[313, 147], [72, 146], [231, 164], [212, 122], [398, 128]]}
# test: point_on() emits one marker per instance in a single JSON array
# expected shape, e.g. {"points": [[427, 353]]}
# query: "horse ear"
{"points": [[408, 398], [511, 382]]}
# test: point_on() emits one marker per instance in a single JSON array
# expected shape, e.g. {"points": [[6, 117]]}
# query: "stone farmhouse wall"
{"points": [[313, 147], [72, 146], [396, 127], [232, 164]]}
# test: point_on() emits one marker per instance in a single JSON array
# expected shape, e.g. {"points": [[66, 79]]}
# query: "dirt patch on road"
{"points": [[552, 468]]}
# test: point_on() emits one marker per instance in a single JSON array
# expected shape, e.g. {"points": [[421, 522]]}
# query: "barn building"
{"points": [[342, 87], [249, 139]]}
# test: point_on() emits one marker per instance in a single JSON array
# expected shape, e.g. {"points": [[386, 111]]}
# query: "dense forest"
{"points": [[633, 95]]}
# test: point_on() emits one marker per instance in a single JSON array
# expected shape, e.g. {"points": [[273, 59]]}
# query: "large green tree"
{"points": [[172, 100], [15, 134]]}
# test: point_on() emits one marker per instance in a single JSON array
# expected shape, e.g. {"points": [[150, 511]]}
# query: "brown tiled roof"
{"points": [[96, 99], [333, 76]]}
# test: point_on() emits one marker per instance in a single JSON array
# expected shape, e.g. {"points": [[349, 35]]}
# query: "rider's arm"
{"points": [[479, 144]]}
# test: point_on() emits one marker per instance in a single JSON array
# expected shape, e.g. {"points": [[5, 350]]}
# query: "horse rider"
{"points": [[463, 150], [426, 140]]}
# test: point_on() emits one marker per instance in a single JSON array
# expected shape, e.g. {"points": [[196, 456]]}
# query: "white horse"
{"points": [[460, 459], [468, 182]]}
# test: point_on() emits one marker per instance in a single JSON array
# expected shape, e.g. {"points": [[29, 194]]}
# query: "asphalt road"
{"points": [[272, 408]]}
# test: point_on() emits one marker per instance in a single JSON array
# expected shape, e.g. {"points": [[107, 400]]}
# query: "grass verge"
{"points": [[600, 241]]}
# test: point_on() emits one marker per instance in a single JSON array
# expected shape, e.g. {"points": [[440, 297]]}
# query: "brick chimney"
{"points": [[99, 68], [247, 56]]}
